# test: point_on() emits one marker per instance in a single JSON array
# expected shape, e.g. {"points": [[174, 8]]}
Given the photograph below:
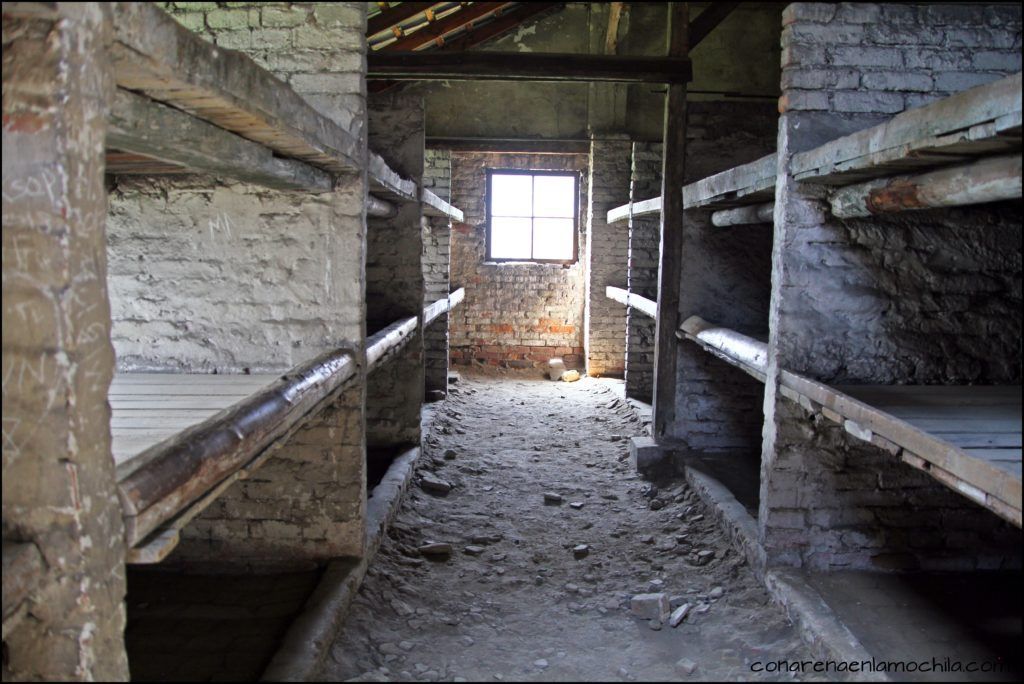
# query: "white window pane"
{"points": [[510, 238], [511, 195], [552, 238], [554, 196]]}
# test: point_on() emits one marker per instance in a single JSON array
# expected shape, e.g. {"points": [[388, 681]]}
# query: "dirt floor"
{"points": [[551, 535]]}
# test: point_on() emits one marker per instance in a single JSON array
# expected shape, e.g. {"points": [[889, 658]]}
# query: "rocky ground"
{"points": [[522, 546]]}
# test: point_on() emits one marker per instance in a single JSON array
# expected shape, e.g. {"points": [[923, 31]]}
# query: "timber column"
{"points": [[63, 548], [673, 164]]}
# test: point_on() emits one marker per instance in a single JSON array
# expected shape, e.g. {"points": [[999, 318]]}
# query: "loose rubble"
{"points": [[532, 595]]}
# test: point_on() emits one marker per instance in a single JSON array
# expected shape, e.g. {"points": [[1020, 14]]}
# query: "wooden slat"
{"points": [[526, 66], [630, 299], [140, 125], [649, 207], [165, 479], [752, 183], [155, 55], [435, 206], [979, 121], [393, 16]]}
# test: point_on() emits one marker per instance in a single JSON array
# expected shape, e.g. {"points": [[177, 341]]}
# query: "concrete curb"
{"points": [[819, 626], [305, 645]]}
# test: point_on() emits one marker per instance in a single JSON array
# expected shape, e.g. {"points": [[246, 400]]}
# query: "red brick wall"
{"points": [[514, 315]]}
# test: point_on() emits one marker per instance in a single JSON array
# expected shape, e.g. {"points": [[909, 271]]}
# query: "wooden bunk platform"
{"points": [[982, 121], [967, 437]]}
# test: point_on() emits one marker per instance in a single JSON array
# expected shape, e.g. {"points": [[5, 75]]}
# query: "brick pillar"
{"points": [[436, 265], [644, 238], [58, 471], [607, 256]]}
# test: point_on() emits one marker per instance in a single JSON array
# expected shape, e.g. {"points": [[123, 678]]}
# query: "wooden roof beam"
{"points": [[439, 29], [393, 16], [526, 66], [713, 15]]}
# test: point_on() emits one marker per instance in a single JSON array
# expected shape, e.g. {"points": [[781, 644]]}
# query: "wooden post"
{"points": [[672, 173]]}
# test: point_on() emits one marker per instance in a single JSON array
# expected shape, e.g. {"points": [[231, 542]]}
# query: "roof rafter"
{"points": [[438, 29], [395, 15], [706, 22]]}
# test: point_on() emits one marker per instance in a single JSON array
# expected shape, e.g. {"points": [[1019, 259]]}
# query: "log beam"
{"points": [[987, 180], [632, 300], [740, 216], [713, 15], [392, 16], [442, 306], [526, 66], [388, 341], [437, 30], [378, 208], [142, 126]]}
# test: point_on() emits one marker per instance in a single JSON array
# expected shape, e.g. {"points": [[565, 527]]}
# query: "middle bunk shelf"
{"points": [[966, 437], [181, 439]]}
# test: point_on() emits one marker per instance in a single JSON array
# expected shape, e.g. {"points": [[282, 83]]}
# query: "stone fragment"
{"points": [[553, 498], [450, 454], [434, 485], [656, 585], [436, 549], [576, 504], [717, 593], [649, 606], [656, 504], [473, 550], [570, 376], [647, 539], [388, 648], [704, 557], [406, 645], [556, 369], [679, 614], [540, 663], [686, 666], [655, 625], [580, 551]]}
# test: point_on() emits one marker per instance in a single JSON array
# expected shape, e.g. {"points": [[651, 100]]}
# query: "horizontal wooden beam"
{"points": [[155, 55], [169, 476], [986, 180], [739, 350], [432, 311], [647, 207], [140, 125], [388, 341], [530, 145], [526, 66], [435, 206], [632, 300], [386, 181]]}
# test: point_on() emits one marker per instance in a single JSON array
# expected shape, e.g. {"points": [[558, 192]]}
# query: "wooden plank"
{"points": [[751, 183], [140, 125], [435, 31], [987, 180], [169, 476], [976, 473], [673, 171], [526, 66], [155, 55], [432, 311], [630, 299], [649, 207], [435, 206], [976, 114], [388, 182], [746, 353]]}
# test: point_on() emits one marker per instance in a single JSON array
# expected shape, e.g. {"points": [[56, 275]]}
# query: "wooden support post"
{"points": [[754, 213], [988, 180], [673, 164]]}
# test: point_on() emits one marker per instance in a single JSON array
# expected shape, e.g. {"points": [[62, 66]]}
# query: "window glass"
{"points": [[532, 216]]}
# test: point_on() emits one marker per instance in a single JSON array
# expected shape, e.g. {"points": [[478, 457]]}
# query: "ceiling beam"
{"points": [[393, 16], [526, 66], [438, 29], [705, 23], [612, 38]]}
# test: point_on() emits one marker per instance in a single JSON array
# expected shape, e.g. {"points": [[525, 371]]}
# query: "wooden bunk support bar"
{"points": [[140, 125], [649, 207], [171, 475], [754, 213], [389, 340], [744, 352], [635, 301], [442, 306], [987, 180], [972, 476]]}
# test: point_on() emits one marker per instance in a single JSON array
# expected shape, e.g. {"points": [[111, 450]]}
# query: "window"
{"points": [[531, 215]]}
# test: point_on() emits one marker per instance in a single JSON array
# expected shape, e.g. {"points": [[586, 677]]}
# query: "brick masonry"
{"points": [[920, 297], [214, 275], [642, 279], [515, 315], [607, 256], [437, 231], [58, 475]]}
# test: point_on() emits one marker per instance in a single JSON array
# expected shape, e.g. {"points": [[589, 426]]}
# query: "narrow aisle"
{"points": [[551, 534]]}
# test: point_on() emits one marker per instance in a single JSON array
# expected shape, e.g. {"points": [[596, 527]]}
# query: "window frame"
{"points": [[575, 175]]}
